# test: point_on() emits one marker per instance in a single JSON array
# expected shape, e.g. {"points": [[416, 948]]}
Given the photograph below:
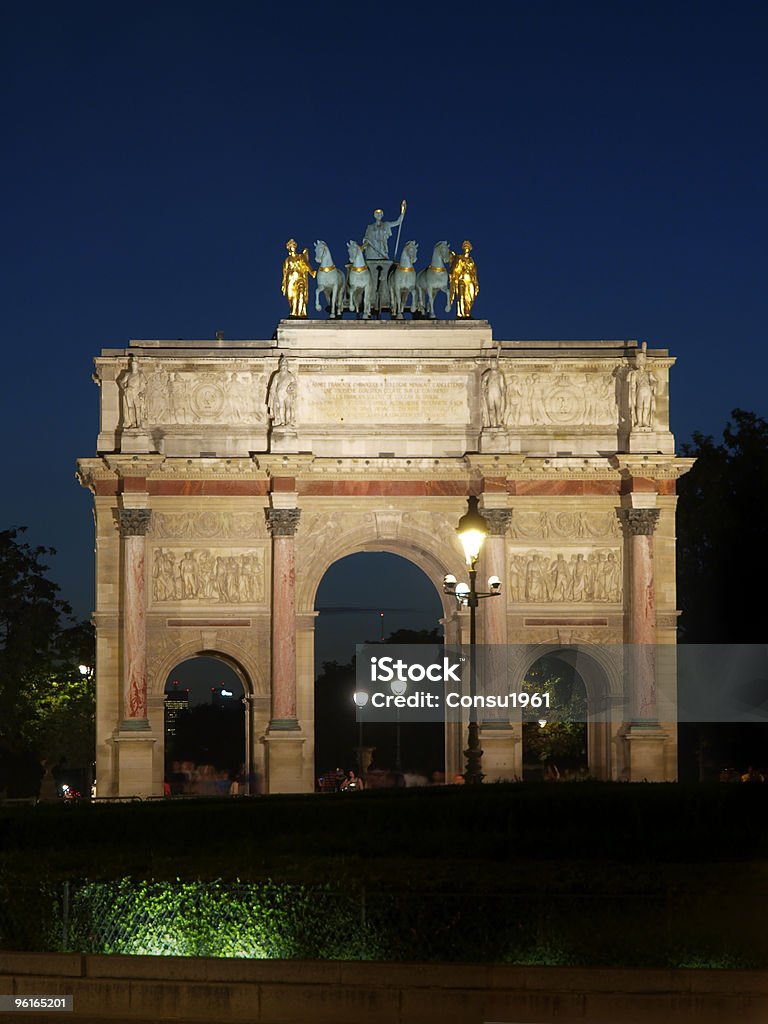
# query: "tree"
{"points": [[722, 525], [61, 724], [46, 704], [722, 568]]}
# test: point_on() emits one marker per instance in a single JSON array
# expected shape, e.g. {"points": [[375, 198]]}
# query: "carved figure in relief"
{"points": [[516, 579], [607, 407], [239, 397], [177, 399], [157, 406], [281, 401], [514, 400], [580, 578], [494, 392], [296, 269], [642, 391], [536, 410], [133, 387], [536, 578], [189, 578], [464, 283], [560, 578], [198, 576]]}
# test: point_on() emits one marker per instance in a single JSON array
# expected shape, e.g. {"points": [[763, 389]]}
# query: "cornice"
{"points": [[91, 470], [553, 467], [655, 467]]}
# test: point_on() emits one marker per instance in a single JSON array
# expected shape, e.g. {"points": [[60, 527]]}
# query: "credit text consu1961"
{"points": [[502, 700]]}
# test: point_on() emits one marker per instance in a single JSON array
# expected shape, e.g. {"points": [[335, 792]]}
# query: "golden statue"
{"points": [[463, 279], [295, 270]]}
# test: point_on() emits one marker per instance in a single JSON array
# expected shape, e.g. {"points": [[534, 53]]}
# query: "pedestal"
{"points": [[494, 439], [284, 767], [135, 749], [646, 760], [137, 442], [284, 439], [502, 752], [643, 441]]}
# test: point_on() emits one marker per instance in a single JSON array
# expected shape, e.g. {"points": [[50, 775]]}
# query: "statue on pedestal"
{"points": [[281, 401], [494, 391], [296, 268], [642, 392], [464, 285], [133, 388]]}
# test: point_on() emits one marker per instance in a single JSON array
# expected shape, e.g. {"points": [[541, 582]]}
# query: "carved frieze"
{"points": [[571, 576], [181, 397], [208, 575], [573, 399], [565, 525], [208, 525]]}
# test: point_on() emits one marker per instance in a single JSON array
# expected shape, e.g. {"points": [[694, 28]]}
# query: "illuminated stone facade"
{"points": [[228, 479]]}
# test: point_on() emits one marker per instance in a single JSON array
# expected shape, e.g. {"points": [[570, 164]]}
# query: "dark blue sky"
{"points": [[608, 162]]}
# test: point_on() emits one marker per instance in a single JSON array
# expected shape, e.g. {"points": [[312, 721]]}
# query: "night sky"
{"points": [[607, 161]]}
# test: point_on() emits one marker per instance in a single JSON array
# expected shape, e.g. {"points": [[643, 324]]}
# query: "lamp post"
{"points": [[472, 531], [398, 688]]}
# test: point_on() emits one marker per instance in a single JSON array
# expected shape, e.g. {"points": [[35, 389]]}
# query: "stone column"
{"points": [[502, 746], [638, 525], [284, 765], [134, 523], [134, 740], [646, 738], [282, 523]]}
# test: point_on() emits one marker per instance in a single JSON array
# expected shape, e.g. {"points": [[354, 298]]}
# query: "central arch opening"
{"points": [[556, 749], [372, 597], [204, 727]]}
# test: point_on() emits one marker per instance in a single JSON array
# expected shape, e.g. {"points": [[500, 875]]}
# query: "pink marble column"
{"points": [[282, 523], [133, 523], [638, 525]]}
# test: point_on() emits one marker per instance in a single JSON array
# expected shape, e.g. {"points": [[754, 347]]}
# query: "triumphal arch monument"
{"points": [[230, 475]]}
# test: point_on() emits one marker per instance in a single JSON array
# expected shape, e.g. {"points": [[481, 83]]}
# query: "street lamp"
{"points": [[472, 531], [398, 688], [360, 698]]}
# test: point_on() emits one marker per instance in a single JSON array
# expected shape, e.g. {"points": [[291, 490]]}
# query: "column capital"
{"points": [[134, 522], [498, 520], [282, 522], [638, 521]]}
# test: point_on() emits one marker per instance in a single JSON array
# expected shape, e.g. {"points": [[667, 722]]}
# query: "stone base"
{"points": [[284, 763], [284, 439], [646, 757], [136, 441], [134, 763], [643, 441], [494, 439], [502, 752]]}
